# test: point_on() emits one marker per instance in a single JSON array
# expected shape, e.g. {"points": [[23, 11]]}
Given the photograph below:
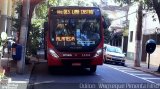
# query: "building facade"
{"points": [[150, 30], [6, 13]]}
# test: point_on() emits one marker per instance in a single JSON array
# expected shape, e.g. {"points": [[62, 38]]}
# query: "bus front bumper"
{"points": [[83, 62]]}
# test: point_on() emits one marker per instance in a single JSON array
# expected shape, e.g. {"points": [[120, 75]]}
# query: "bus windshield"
{"points": [[76, 34], [75, 28]]}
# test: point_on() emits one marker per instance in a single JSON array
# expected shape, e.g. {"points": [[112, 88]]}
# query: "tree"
{"points": [[147, 5], [137, 56], [17, 20], [107, 33], [41, 13], [33, 40], [138, 39], [35, 31]]}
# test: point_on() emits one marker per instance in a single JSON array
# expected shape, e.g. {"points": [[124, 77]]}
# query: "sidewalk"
{"points": [[12, 79], [143, 67]]}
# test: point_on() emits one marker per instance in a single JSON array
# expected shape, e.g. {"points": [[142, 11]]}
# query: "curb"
{"points": [[30, 83]]}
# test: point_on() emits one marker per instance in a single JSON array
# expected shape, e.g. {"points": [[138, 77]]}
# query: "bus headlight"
{"points": [[52, 52], [99, 52]]}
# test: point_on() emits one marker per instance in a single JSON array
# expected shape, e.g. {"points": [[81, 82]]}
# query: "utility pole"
{"points": [[23, 35], [138, 39]]}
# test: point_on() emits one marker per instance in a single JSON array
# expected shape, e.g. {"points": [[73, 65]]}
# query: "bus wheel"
{"points": [[93, 69], [45, 55], [50, 69]]}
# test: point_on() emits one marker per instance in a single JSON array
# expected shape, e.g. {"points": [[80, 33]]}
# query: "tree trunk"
{"points": [[137, 58], [23, 36]]}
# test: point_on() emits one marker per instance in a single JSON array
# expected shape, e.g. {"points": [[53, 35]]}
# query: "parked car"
{"points": [[114, 54]]}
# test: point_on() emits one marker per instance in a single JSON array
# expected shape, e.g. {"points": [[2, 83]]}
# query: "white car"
{"points": [[114, 54]]}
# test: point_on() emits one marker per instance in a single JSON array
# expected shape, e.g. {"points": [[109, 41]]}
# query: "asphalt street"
{"points": [[107, 76]]}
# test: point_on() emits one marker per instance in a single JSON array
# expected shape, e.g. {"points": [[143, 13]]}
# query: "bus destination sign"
{"points": [[75, 12]]}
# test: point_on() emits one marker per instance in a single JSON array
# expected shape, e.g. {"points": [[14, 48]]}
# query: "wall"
{"points": [[132, 27], [150, 25], [154, 57]]}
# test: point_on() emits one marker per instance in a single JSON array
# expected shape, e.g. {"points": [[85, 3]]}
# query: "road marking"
{"points": [[150, 78], [124, 69], [144, 74], [132, 75], [43, 82], [132, 71], [19, 82]]}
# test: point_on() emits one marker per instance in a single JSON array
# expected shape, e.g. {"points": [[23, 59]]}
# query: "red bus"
{"points": [[74, 37]]}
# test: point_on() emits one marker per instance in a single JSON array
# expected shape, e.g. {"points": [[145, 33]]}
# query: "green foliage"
{"points": [[125, 31], [16, 20], [107, 33], [107, 36], [147, 4], [40, 17], [41, 11], [126, 1], [54, 2], [95, 4], [33, 39], [34, 35], [38, 23]]}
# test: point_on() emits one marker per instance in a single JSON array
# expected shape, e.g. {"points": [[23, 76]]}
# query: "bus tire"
{"points": [[93, 69], [45, 55], [50, 69]]}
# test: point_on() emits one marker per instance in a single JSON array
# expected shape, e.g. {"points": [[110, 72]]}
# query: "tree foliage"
{"points": [[40, 17], [107, 33], [147, 5], [33, 40], [16, 20]]}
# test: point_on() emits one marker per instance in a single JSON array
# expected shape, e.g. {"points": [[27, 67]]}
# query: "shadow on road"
{"points": [[61, 71], [59, 78], [70, 71]]}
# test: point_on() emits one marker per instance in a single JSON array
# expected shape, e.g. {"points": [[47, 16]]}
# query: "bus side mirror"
{"points": [[45, 26], [150, 46]]}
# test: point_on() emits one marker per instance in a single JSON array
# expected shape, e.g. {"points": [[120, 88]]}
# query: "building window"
{"points": [[131, 36]]}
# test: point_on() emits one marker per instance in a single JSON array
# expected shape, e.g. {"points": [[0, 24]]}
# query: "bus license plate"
{"points": [[76, 64]]}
